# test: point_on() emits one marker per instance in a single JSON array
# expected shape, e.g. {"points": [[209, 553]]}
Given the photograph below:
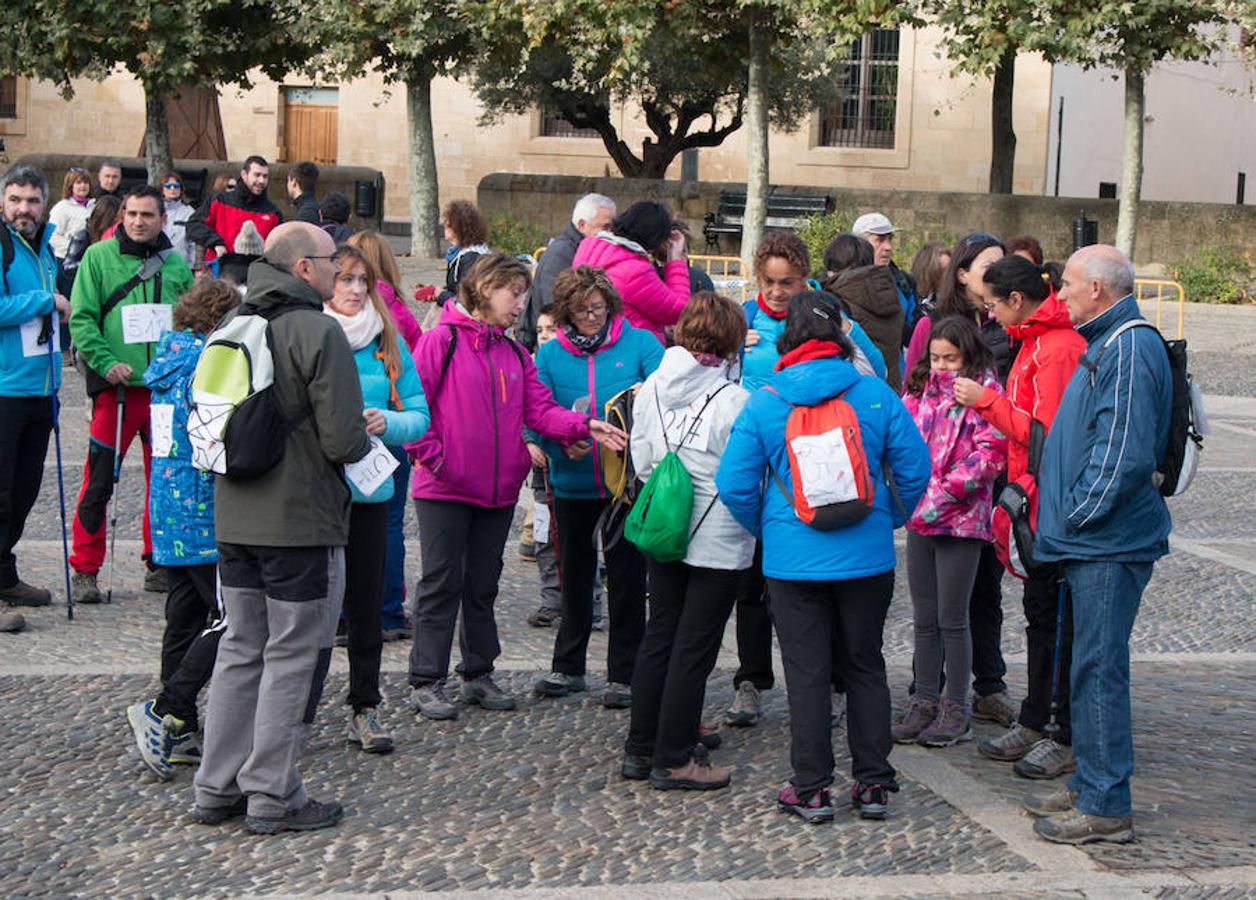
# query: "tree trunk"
{"points": [[424, 190], [1003, 136], [156, 136], [1132, 164], [756, 143]]}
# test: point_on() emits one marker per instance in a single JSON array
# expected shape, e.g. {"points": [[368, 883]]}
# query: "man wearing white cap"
{"points": [[877, 230]]}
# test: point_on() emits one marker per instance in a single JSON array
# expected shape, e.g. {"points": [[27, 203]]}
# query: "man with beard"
{"points": [[217, 223]]}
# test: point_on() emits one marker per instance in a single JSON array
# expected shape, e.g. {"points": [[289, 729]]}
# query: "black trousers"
{"points": [[689, 608], [1041, 603], [810, 617], [985, 622], [366, 558], [461, 547], [189, 645], [575, 522], [25, 423]]}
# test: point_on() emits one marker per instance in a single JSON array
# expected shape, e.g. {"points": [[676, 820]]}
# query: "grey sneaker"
{"points": [[11, 622], [1046, 760], [485, 693], [432, 702], [367, 733], [950, 727], [1077, 827], [918, 717], [617, 696], [996, 708], [745, 709], [84, 589], [1060, 801], [557, 684], [1011, 745]]}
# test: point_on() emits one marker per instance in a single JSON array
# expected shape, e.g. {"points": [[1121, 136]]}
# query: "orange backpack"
{"points": [[832, 483]]}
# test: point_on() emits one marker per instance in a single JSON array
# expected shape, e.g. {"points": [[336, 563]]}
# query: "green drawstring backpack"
{"points": [[659, 522]]}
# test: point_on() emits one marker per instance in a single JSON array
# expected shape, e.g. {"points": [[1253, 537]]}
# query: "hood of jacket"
{"points": [[626, 243], [270, 286], [681, 379], [869, 289], [813, 380], [177, 355], [1052, 313]]}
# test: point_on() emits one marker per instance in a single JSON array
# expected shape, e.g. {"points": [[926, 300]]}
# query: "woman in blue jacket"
{"points": [[827, 585], [595, 355], [396, 414]]}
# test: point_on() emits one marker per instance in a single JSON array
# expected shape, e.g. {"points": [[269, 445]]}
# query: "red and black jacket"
{"points": [[220, 218]]}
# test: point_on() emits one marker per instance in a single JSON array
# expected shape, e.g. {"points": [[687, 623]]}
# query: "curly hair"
{"points": [[574, 287], [205, 304], [491, 271], [466, 222], [711, 324], [783, 245]]}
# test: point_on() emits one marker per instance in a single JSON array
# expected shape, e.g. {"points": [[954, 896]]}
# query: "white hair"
{"points": [[1113, 269], [587, 206]]}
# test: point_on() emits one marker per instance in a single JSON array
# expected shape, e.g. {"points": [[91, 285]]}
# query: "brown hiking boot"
{"points": [[996, 708], [696, 775], [1077, 827], [1011, 745]]}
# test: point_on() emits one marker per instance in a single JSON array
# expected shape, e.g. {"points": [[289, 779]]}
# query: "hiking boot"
{"points": [[151, 739], [527, 551], [217, 815], [1046, 760], [311, 817], [816, 808], [950, 727], [1011, 745], [545, 617], [871, 800], [84, 589], [367, 733], [635, 767], [11, 622], [712, 740], [696, 775], [1077, 827], [997, 707], [22, 594], [484, 693], [556, 684], [1060, 801], [157, 580], [185, 742], [744, 712], [432, 702], [402, 632], [919, 716], [617, 696]]}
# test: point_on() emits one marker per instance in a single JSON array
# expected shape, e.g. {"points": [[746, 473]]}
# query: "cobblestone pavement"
{"points": [[531, 802]]}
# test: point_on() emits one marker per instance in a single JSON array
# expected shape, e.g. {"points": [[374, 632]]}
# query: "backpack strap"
{"points": [[1092, 365], [150, 268], [8, 253]]}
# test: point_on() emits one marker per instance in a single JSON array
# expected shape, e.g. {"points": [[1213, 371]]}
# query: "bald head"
{"points": [[1094, 279], [304, 250]]}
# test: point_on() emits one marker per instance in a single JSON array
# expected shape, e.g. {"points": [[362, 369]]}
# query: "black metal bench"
{"points": [[195, 182], [785, 213]]}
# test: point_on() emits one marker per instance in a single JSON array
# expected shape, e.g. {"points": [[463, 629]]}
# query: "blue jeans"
{"points": [[1106, 596], [394, 615]]}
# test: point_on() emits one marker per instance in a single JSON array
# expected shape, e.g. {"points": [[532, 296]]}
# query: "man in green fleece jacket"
{"points": [[124, 292]]}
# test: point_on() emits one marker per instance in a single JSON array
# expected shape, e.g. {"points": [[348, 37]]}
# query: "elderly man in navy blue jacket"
{"points": [[1102, 518]]}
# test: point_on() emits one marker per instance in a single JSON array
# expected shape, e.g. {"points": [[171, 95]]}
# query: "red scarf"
{"points": [[812, 349], [768, 311]]}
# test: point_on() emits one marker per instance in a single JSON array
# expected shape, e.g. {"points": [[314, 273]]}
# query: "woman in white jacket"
{"points": [[688, 404], [71, 211]]}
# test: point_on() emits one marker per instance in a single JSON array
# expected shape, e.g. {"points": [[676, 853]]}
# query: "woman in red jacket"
{"points": [[1018, 296]]}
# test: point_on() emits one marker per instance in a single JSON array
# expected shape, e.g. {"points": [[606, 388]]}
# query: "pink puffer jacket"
{"points": [[649, 302]]}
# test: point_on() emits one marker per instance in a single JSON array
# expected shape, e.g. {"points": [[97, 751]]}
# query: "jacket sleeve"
{"points": [[405, 321], [18, 308], [543, 415], [986, 458], [429, 356], [906, 456], [1123, 457], [59, 218], [85, 326], [663, 299], [544, 373], [201, 225], [739, 479], [407, 425], [870, 350], [335, 394]]}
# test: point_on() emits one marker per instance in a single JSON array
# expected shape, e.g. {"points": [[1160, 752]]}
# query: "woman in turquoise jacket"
{"points": [[595, 355], [396, 414]]}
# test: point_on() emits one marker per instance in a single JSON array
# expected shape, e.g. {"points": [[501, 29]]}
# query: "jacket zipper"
{"points": [[597, 469], [492, 395]]}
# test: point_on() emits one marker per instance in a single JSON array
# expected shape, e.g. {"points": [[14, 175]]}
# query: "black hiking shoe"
{"points": [[217, 815], [311, 817]]}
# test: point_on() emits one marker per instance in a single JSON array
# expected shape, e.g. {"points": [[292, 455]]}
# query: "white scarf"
{"points": [[360, 329]]}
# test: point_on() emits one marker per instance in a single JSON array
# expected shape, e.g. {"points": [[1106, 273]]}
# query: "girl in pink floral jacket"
{"points": [[951, 523]]}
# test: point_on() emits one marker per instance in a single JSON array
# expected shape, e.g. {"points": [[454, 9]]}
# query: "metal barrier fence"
{"points": [[729, 274], [1161, 290]]}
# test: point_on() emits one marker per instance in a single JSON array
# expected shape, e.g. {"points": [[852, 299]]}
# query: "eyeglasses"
{"points": [[172, 184], [591, 312]]}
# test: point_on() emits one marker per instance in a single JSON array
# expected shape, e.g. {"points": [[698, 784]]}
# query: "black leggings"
{"points": [[365, 560]]}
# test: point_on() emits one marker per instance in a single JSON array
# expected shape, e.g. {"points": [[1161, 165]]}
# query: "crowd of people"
{"points": [[773, 448]]}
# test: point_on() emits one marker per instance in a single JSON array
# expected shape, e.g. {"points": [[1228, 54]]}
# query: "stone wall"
{"points": [[1167, 232]]}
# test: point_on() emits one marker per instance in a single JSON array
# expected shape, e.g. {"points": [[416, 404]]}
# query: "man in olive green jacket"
{"points": [[125, 290]]}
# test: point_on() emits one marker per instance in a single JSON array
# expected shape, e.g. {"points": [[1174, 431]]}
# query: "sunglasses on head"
{"points": [[77, 170]]}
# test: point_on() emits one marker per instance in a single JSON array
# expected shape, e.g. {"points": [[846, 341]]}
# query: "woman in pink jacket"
{"points": [[625, 254], [482, 389], [951, 524]]}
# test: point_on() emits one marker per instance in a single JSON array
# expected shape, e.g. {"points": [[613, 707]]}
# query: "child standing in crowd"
{"points": [[181, 507], [950, 526]]}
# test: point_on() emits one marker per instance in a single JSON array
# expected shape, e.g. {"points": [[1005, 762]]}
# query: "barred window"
{"points": [[554, 125], [8, 97], [865, 114]]}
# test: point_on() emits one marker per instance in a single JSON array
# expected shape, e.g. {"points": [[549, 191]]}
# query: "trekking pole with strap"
{"points": [[1053, 727], [54, 325], [113, 496]]}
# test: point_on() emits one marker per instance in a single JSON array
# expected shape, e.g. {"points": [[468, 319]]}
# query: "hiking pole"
{"points": [[113, 496], [56, 431], [1053, 727]]}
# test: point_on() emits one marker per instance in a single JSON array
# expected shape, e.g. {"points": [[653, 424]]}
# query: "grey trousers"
{"points": [[941, 571], [282, 605]]}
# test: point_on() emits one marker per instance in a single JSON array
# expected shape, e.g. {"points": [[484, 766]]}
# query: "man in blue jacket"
{"points": [[30, 371], [1101, 517]]}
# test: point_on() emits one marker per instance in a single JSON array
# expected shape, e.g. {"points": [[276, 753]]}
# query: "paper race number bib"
{"points": [[684, 426], [161, 427], [143, 323], [31, 329], [368, 473]]}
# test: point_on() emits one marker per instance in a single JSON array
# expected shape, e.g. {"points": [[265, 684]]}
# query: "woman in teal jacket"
{"points": [[595, 355], [396, 414]]}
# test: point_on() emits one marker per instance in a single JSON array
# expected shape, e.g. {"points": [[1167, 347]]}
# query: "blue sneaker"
{"points": [[151, 739], [185, 743]]}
